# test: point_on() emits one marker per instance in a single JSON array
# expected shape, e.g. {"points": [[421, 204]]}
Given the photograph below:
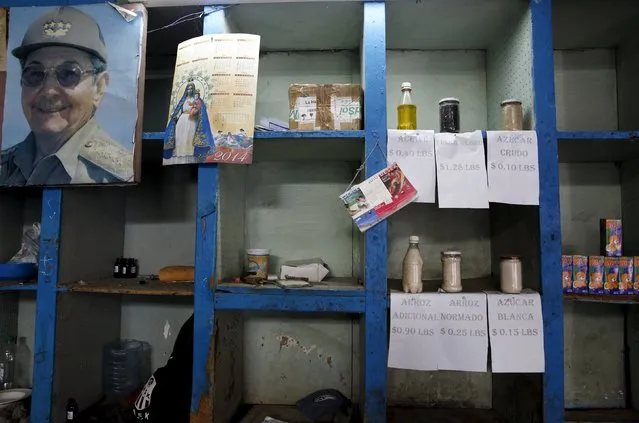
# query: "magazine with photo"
{"points": [[378, 197]]}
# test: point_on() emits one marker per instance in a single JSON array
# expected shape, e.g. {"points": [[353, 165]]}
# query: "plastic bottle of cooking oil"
{"points": [[406, 111], [412, 269]]}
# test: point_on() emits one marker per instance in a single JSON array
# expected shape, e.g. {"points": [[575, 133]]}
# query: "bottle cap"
{"points": [[449, 100], [413, 239], [451, 253], [510, 257], [406, 86], [511, 101]]}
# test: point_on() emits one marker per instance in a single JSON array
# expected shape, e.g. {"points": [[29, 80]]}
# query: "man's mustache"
{"points": [[49, 104]]}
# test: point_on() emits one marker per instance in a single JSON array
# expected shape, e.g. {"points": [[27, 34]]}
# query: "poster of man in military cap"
{"points": [[74, 93]]}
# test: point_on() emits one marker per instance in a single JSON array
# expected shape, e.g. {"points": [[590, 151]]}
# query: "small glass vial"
{"points": [[133, 268], [449, 115], [512, 115], [124, 268], [72, 410], [510, 274], [117, 267], [451, 271], [412, 269], [407, 111]]}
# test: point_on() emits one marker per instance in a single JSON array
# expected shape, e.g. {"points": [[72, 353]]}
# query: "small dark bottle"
{"points": [[124, 268], [117, 268], [133, 268], [72, 410]]}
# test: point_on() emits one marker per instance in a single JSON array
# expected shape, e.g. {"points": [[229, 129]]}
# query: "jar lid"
{"points": [[451, 253], [413, 239], [258, 252], [449, 100], [511, 101], [406, 86], [510, 257]]}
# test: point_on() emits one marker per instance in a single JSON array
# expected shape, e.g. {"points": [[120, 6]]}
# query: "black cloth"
{"points": [[166, 397]]}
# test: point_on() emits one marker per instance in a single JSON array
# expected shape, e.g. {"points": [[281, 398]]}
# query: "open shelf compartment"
{"points": [[596, 86], [596, 49]]}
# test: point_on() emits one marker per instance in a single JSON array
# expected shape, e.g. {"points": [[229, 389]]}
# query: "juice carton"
{"points": [[626, 271], [566, 273], [595, 274], [580, 274], [611, 275], [610, 237], [635, 275]]}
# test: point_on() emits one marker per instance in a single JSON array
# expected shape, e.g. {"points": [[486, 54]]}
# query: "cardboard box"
{"points": [[626, 270], [311, 270], [611, 275], [595, 274], [566, 273], [610, 237], [580, 274], [320, 107]]}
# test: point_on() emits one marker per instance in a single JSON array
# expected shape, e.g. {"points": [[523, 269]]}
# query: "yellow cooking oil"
{"points": [[406, 111]]}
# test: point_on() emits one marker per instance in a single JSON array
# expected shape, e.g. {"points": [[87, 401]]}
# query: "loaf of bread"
{"points": [[177, 274]]}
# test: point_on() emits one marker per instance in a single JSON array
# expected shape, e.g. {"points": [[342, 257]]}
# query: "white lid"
{"points": [[510, 100], [449, 100], [451, 253], [413, 239], [406, 86], [258, 252]]}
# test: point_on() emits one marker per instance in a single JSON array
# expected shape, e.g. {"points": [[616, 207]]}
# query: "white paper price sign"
{"points": [[513, 167], [461, 171], [463, 332], [516, 333], [414, 326], [414, 152]]}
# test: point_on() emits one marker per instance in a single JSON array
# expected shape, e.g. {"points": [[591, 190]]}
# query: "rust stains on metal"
{"points": [[204, 410], [206, 405]]}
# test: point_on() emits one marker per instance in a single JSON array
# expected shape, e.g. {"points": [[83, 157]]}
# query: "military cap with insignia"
{"points": [[63, 26]]}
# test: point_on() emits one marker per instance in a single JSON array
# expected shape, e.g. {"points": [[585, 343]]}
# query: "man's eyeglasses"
{"points": [[67, 75]]}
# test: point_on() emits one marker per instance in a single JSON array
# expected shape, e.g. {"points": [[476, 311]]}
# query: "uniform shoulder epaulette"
{"points": [[104, 152], [6, 155]]}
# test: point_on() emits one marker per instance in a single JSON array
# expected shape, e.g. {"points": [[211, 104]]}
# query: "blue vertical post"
{"points": [[205, 255], [375, 272], [46, 305], [549, 215]]}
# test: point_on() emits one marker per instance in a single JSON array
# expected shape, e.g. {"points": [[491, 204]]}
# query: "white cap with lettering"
{"points": [[413, 239], [406, 86]]}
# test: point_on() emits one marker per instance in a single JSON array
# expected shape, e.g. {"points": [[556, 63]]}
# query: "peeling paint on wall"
{"points": [[289, 341]]}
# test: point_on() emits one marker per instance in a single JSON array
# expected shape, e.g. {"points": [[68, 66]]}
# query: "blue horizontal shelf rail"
{"points": [[284, 135], [329, 302], [17, 286], [369, 301], [597, 135]]}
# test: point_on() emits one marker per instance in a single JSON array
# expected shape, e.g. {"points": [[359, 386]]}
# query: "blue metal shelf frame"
{"points": [[371, 303], [549, 214], [328, 303], [598, 135], [19, 287], [284, 135], [46, 305]]}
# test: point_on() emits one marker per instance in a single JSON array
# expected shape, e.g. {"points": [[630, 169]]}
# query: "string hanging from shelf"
{"points": [[190, 17], [363, 166]]}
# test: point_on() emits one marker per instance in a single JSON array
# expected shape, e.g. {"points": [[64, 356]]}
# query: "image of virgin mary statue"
{"points": [[188, 133]]}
